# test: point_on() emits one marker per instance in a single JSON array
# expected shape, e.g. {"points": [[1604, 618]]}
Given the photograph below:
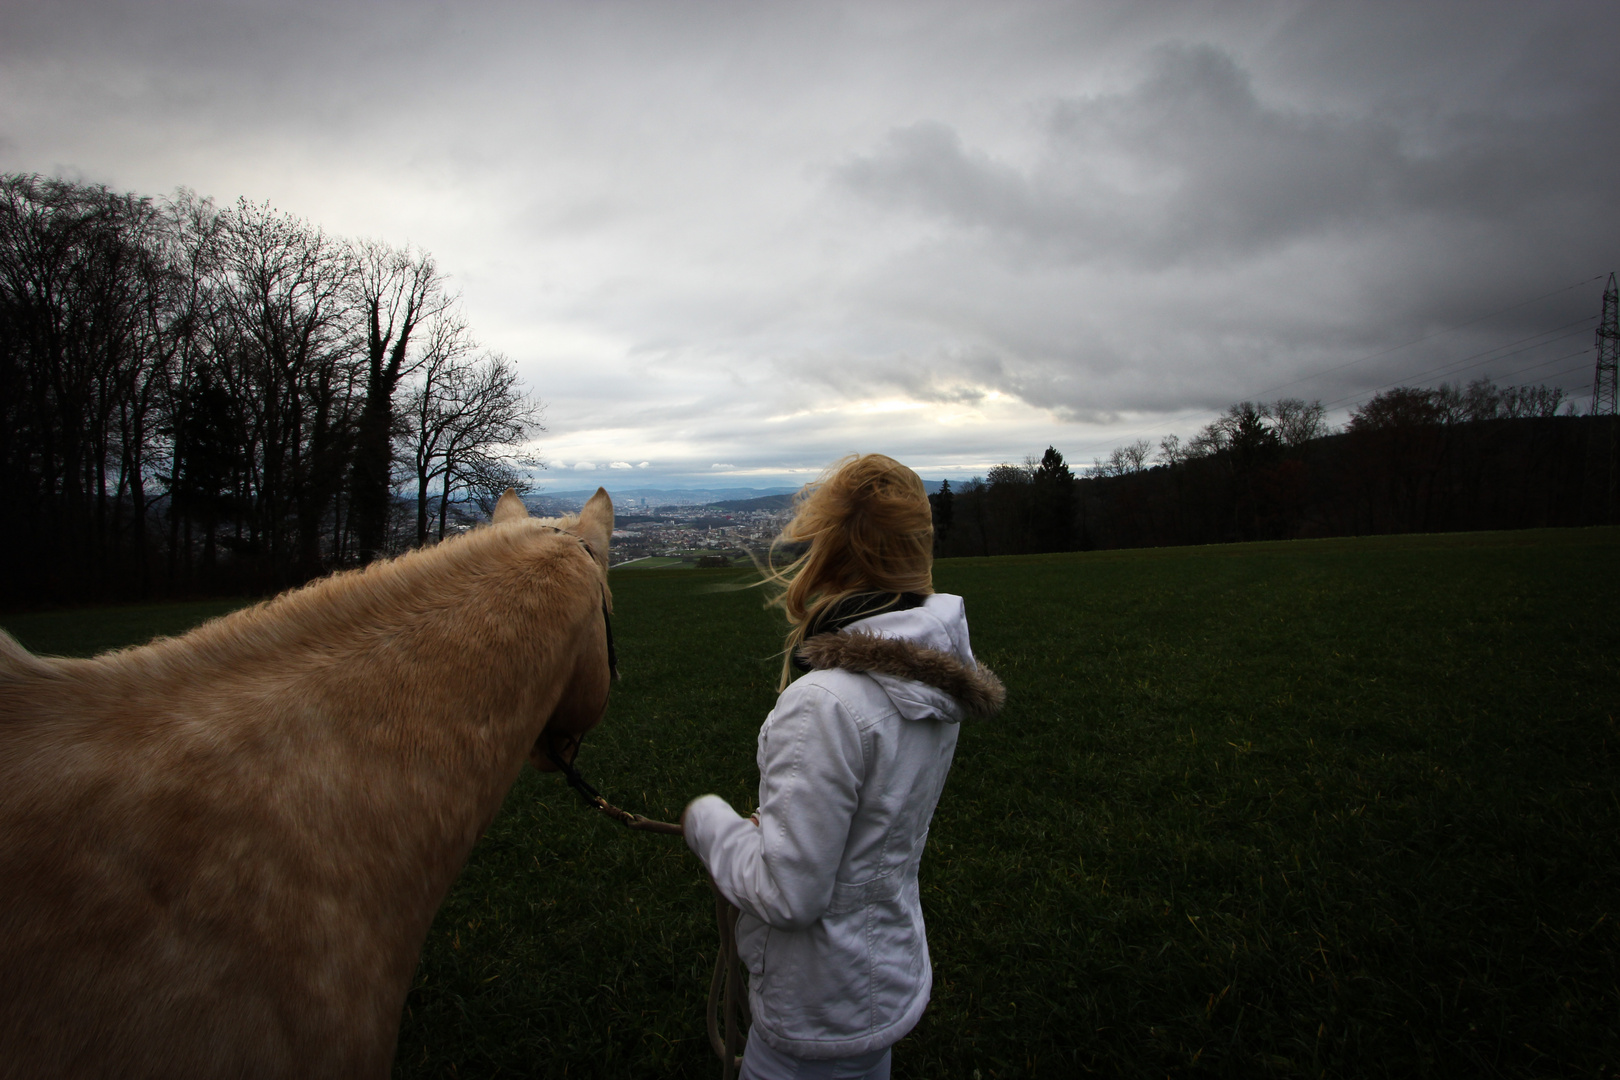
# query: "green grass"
{"points": [[682, 561], [659, 562], [1329, 808], [87, 631]]}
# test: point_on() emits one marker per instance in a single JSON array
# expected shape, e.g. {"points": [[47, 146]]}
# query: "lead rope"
{"points": [[726, 1014], [726, 994]]}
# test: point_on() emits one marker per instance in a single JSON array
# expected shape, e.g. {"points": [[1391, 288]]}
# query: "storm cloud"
{"points": [[1190, 167], [746, 238]]}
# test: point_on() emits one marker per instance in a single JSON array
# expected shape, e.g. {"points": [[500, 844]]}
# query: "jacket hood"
{"points": [[921, 657]]}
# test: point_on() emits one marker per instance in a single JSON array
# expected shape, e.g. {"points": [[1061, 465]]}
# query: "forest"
{"points": [[206, 399], [1410, 460]]}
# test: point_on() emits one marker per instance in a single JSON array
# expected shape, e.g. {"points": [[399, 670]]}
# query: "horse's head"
{"points": [[585, 695]]}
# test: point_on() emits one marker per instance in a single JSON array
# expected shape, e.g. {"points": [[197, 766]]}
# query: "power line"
{"points": [[1428, 337], [1463, 364], [1566, 372], [1554, 360]]}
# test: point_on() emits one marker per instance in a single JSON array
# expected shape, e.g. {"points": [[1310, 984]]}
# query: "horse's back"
{"points": [[221, 852], [142, 877]]}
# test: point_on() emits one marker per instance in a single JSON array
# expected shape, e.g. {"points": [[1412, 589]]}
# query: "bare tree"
{"points": [[1208, 442], [1520, 401], [1171, 452], [1399, 407], [1409, 406], [397, 290], [434, 409], [234, 364], [1133, 457], [286, 336], [466, 418], [1295, 421], [192, 246], [80, 370], [1007, 474], [487, 478], [1452, 403], [1482, 400], [483, 459], [161, 331]]}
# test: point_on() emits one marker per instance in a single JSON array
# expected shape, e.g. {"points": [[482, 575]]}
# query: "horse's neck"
{"points": [[451, 688], [420, 691]]}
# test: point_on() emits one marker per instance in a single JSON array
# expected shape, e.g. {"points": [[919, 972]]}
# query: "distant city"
{"points": [[642, 499], [659, 527]]}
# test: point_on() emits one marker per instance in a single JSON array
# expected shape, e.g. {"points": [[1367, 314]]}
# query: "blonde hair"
{"points": [[868, 527]]}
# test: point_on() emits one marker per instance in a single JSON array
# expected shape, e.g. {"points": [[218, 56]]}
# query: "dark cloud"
{"points": [[761, 233], [1191, 166], [1208, 232]]}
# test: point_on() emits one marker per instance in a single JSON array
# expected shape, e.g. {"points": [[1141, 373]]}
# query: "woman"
{"points": [[851, 764]]}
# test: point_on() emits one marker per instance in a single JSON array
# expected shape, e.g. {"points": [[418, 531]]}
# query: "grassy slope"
{"points": [[1343, 807], [87, 631]]}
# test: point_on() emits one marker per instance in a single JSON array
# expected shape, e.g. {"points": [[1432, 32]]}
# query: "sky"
{"points": [[726, 243]]}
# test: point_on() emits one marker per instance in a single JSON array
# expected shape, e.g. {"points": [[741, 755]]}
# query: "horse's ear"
{"points": [[510, 508], [596, 523]]}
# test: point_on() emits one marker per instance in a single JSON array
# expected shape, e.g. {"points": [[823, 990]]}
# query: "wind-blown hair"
{"points": [[868, 528]]}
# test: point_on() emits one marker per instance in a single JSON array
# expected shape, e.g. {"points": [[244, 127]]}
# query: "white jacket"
{"points": [[851, 764]]}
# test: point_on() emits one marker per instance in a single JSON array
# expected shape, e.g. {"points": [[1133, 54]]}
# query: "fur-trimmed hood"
{"points": [[920, 657]]}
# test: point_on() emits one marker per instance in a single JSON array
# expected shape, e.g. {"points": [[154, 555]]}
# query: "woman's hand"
{"points": [[751, 817]]}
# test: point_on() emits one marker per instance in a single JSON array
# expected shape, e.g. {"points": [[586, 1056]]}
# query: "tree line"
{"points": [[204, 398], [1410, 460]]}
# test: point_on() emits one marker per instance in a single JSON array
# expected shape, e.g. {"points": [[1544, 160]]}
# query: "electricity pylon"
{"points": [[1605, 391]]}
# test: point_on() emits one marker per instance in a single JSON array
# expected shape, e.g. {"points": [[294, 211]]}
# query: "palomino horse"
{"points": [[220, 853]]}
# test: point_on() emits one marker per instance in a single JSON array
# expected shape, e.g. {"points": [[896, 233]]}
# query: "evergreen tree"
{"points": [[942, 503], [1055, 503]]}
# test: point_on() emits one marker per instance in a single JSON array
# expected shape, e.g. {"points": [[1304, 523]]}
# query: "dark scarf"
{"points": [[834, 617]]}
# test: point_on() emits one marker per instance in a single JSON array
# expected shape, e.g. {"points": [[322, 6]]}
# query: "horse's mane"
{"points": [[335, 613], [16, 661]]}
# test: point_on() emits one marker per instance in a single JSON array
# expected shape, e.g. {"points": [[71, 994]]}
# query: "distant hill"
{"points": [[631, 499], [764, 502]]}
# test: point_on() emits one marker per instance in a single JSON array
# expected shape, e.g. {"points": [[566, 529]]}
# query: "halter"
{"points": [[588, 794]]}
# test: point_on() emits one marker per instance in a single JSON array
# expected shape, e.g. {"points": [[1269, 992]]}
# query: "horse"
{"points": [[220, 853]]}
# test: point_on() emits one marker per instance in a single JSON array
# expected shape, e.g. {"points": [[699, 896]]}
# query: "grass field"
{"points": [[660, 562], [1329, 808], [80, 632]]}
